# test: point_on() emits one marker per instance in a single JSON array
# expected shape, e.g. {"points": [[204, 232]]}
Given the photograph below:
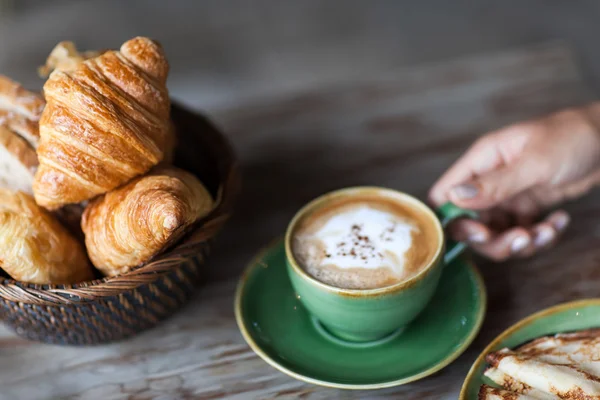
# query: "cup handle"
{"points": [[447, 213]]}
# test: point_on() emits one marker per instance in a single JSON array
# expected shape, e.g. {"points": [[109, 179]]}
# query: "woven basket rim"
{"points": [[186, 247]]}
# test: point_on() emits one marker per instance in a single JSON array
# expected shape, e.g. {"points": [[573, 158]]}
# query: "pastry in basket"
{"points": [[105, 122], [563, 366], [20, 110], [18, 105], [65, 57], [128, 226], [35, 247], [26, 128], [18, 162]]}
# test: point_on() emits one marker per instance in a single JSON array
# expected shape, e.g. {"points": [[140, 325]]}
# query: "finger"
{"points": [[539, 239], [495, 187], [487, 154], [522, 243], [560, 220], [544, 235], [482, 156], [482, 229], [508, 244], [547, 196], [471, 231]]}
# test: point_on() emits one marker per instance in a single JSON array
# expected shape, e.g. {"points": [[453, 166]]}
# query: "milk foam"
{"points": [[360, 237]]}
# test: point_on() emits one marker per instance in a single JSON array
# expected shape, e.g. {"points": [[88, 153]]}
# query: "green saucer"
{"points": [[566, 317], [278, 328]]}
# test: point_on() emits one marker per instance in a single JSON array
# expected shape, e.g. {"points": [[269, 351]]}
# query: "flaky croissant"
{"points": [[128, 226], [106, 122], [19, 101], [34, 247], [65, 57], [20, 110], [17, 162]]}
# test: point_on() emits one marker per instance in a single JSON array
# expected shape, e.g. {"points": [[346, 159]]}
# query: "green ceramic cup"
{"points": [[372, 315]]}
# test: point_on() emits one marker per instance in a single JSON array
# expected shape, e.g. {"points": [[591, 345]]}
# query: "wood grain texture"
{"points": [[399, 130]]}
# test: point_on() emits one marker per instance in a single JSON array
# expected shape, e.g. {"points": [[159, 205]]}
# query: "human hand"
{"points": [[514, 174]]}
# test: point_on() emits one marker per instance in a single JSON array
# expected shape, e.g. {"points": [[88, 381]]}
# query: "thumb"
{"points": [[495, 186]]}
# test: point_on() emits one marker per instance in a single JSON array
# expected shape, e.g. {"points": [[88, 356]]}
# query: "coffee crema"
{"points": [[365, 242]]}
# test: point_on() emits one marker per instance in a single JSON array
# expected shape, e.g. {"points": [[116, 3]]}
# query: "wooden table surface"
{"points": [[401, 130]]}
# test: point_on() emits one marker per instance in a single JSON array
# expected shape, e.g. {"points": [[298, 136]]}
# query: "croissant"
{"points": [[17, 162], [20, 110], [105, 122], [26, 128], [130, 225], [65, 57], [19, 101], [34, 247]]}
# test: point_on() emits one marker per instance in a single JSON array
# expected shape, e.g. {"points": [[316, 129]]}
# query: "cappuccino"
{"points": [[365, 242]]}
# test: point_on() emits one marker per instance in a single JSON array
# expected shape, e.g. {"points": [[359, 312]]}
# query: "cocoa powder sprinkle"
{"points": [[360, 246]]}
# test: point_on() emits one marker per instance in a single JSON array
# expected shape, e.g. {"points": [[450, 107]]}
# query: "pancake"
{"points": [[562, 366], [490, 393], [515, 386]]}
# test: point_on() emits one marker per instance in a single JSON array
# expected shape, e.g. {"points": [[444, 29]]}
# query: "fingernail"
{"points": [[543, 237], [478, 237], [519, 243], [465, 191], [562, 221]]}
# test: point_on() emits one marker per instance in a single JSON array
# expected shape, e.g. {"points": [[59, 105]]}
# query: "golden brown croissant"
{"points": [[34, 247], [16, 99], [26, 128], [20, 110], [128, 226], [65, 57], [18, 162], [105, 122]]}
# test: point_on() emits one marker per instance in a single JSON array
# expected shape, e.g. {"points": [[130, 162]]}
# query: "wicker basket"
{"points": [[114, 308]]}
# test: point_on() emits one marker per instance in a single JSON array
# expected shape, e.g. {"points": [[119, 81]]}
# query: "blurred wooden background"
{"points": [[226, 51]]}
